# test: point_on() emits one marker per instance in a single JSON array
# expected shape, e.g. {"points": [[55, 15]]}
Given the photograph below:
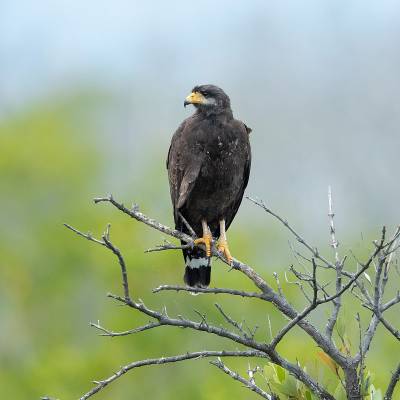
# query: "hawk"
{"points": [[208, 169]]}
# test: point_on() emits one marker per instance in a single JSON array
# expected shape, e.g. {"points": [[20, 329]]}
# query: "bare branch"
{"points": [[391, 303], [392, 384], [300, 316], [136, 214], [278, 284], [247, 383], [338, 266], [231, 321], [166, 360], [297, 283], [270, 295], [87, 236], [314, 251], [169, 246], [115, 250], [368, 336], [395, 332], [203, 325], [232, 292], [334, 242], [361, 351], [383, 251], [316, 302], [380, 257], [293, 369], [107, 243], [189, 228], [107, 332]]}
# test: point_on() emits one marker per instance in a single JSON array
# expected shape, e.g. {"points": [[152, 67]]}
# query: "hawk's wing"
{"points": [[246, 173], [183, 169]]}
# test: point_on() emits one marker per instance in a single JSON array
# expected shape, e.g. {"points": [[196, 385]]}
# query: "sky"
{"points": [[317, 81]]}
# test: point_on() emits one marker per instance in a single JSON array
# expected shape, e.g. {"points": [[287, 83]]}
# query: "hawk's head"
{"points": [[209, 99]]}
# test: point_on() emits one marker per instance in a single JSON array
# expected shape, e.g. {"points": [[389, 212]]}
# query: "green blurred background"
{"points": [[91, 93]]}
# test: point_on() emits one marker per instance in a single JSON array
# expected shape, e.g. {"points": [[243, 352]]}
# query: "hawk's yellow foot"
{"points": [[207, 241], [224, 249]]}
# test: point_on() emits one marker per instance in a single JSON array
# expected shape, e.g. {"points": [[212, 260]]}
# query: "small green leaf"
{"points": [[289, 386], [340, 393], [376, 394], [269, 370], [368, 278], [281, 373]]}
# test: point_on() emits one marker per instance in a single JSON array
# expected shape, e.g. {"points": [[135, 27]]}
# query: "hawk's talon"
{"points": [[207, 241], [224, 249]]}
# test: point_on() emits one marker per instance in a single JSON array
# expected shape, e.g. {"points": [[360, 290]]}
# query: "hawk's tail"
{"points": [[197, 269]]}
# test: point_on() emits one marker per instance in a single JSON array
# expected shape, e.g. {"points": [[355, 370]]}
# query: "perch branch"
{"points": [[270, 295], [320, 295]]}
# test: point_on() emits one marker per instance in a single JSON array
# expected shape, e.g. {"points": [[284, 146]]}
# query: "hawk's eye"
{"points": [[205, 94]]}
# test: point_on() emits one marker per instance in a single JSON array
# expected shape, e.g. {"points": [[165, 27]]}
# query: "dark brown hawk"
{"points": [[208, 168]]}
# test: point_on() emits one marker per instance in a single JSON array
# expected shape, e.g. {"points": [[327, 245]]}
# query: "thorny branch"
{"points": [[247, 383], [166, 360], [380, 258], [232, 292], [337, 303], [105, 241], [162, 319]]}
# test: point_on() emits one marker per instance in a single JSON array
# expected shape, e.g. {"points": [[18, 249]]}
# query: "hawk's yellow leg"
{"points": [[223, 242], [206, 239]]}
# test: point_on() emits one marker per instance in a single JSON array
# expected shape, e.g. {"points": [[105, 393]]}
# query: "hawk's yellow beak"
{"points": [[194, 98]]}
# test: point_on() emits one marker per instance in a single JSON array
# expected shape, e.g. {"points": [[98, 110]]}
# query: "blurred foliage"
{"points": [[288, 388], [52, 284]]}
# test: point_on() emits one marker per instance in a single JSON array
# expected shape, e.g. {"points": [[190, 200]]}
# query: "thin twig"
{"points": [[231, 321], [168, 246], [381, 256], [292, 368], [395, 332], [115, 250], [248, 384], [186, 223], [300, 316], [270, 295], [107, 332], [338, 266], [107, 243], [314, 251], [87, 236]]}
